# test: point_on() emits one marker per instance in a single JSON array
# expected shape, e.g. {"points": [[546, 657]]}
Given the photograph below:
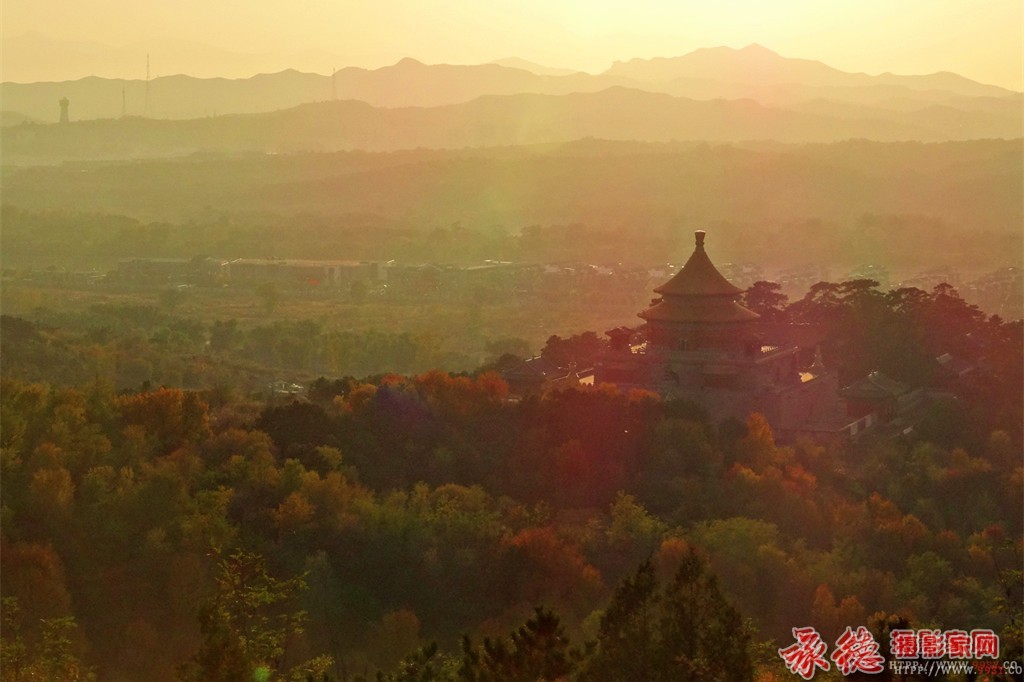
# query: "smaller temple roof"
{"points": [[699, 277], [536, 368], [875, 386]]}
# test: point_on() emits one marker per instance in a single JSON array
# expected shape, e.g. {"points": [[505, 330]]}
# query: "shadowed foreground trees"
{"points": [[538, 650], [47, 651], [424, 508], [681, 631]]}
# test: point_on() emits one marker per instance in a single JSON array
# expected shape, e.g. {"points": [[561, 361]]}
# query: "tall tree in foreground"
{"points": [[247, 625], [684, 630], [538, 651]]}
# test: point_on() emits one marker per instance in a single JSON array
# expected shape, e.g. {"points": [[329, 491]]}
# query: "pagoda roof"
{"points": [[686, 311], [699, 277]]}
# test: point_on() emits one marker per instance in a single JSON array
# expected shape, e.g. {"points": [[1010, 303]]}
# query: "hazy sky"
{"points": [[981, 39]]}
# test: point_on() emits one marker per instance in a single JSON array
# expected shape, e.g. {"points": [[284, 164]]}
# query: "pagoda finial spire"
{"points": [[699, 277], [698, 293]]}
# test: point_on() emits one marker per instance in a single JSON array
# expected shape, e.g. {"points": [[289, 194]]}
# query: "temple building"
{"points": [[704, 346]]}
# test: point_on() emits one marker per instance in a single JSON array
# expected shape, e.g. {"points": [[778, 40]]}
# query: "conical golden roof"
{"points": [[698, 293], [699, 277]]}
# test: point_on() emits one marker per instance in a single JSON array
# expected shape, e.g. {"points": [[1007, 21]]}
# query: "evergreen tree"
{"points": [[245, 629], [538, 651], [681, 631]]}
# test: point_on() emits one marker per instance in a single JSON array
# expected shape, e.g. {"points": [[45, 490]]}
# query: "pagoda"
{"points": [[701, 344], [697, 312]]}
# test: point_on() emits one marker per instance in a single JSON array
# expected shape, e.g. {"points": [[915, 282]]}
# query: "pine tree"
{"points": [[681, 631], [538, 651]]}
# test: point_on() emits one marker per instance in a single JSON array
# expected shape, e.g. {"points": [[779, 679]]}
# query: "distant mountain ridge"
{"points": [[32, 57], [756, 65], [507, 120], [751, 64], [753, 72], [533, 67]]}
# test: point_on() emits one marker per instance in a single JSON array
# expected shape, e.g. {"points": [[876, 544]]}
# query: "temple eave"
{"points": [[731, 313]]}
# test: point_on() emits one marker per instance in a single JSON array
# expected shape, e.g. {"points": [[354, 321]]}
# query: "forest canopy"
{"points": [[425, 523]]}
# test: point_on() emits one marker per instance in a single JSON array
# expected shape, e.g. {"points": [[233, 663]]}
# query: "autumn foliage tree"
{"points": [[427, 506]]}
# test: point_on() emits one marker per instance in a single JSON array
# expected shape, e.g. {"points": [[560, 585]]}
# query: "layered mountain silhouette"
{"points": [[752, 72], [612, 114], [759, 67], [33, 57], [716, 94], [533, 67]]}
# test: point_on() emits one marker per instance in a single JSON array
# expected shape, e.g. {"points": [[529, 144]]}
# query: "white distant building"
{"points": [[310, 272]]}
